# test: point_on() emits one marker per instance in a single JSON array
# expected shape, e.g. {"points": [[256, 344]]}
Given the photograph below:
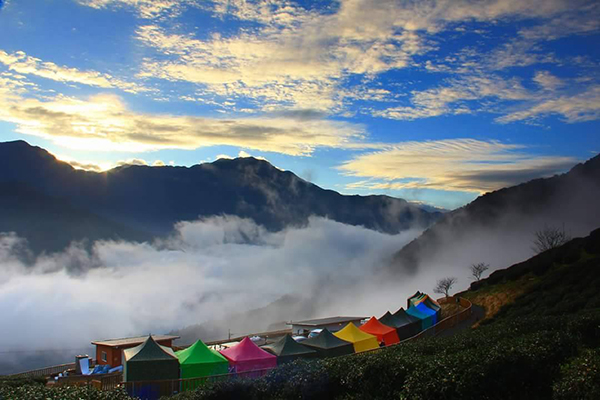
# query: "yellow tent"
{"points": [[361, 341]]}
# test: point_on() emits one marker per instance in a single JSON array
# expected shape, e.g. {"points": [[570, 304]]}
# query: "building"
{"points": [[333, 324], [110, 351]]}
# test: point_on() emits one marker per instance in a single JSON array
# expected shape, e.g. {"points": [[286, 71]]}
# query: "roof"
{"points": [[404, 317], [327, 321], [132, 341], [149, 351]]}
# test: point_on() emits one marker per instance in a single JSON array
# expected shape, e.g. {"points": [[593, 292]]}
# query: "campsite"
{"points": [[151, 367]]}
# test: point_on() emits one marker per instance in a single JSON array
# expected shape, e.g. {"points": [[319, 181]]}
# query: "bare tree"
{"points": [[478, 269], [549, 237], [444, 285]]}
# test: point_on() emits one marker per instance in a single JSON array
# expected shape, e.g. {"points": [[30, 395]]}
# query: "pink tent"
{"points": [[247, 356]]}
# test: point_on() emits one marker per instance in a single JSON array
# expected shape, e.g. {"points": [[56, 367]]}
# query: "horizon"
{"points": [[435, 103]]}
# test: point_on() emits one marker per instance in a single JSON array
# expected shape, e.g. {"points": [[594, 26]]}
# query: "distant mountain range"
{"points": [[498, 227], [51, 203]]}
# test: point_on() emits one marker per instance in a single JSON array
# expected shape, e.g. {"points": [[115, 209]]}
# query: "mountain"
{"points": [[498, 227], [51, 223], [152, 199]]}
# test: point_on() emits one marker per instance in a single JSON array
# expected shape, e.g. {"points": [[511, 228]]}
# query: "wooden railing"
{"points": [[107, 381], [448, 322], [46, 371]]}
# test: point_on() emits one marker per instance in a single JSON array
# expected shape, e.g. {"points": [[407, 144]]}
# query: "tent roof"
{"points": [[198, 353], [375, 327], [149, 351], [417, 294], [352, 334], [246, 351], [422, 307], [431, 303], [325, 340], [390, 319], [404, 317], [287, 346], [415, 312]]}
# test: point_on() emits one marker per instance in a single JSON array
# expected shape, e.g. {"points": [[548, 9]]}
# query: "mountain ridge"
{"points": [[153, 199]]}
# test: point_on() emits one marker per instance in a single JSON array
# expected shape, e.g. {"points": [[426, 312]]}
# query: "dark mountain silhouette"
{"points": [[152, 199], [498, 227], [50, 223]]}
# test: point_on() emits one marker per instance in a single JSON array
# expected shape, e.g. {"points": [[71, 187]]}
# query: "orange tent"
{"points": [[384, 333]]}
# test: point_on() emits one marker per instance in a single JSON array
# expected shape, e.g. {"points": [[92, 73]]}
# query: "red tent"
{"points": [[247, 356], [384, 333]]}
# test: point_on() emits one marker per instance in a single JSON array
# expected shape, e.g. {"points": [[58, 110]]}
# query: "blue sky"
{"points": [[432, 101]]}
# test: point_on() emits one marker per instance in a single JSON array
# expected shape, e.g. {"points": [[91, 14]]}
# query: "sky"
{"points": [[432, 101]]}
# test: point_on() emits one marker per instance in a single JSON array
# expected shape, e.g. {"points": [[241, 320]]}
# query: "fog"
{"points": [[207, 273]]}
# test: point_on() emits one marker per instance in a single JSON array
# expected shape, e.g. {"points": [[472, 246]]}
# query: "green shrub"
{"points": [[580, 378]]}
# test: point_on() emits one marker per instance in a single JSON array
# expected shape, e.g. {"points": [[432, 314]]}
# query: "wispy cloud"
{"points": [[104, 122], [147, 9], [21, 63], [458, 164]]}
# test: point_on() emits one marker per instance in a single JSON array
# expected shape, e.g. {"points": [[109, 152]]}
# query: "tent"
{"points": [[287, 350], [426, 310], [150, 361], [414, 296], [247, 356], [384, 333], [426, 319], [361, 341], [429, 302], [328, 345], [406, 325], [198, 360]]}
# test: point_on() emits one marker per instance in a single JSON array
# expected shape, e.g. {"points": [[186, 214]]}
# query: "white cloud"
{"points": [[21, 63], [145, 8], [217, 257], [457, 164], [579, 107], [104, 123]]}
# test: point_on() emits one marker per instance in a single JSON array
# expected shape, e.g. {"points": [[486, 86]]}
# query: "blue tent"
{"points": [[426, 319], [422, 307]]}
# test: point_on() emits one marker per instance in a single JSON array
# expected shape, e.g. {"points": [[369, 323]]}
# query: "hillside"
{"points": [[498, 227], [152, 199], [561, 281]]}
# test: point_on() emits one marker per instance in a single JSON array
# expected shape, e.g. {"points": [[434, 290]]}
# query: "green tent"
{"points": [[149, 362], [198, 360]]}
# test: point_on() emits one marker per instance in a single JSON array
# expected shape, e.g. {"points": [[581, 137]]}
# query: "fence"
{"points": [[102, 381], [46, 371]]}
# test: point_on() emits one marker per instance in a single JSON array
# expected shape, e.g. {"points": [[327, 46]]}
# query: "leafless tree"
{"points": [[445, 285], [549, 237], [478, 269]]}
